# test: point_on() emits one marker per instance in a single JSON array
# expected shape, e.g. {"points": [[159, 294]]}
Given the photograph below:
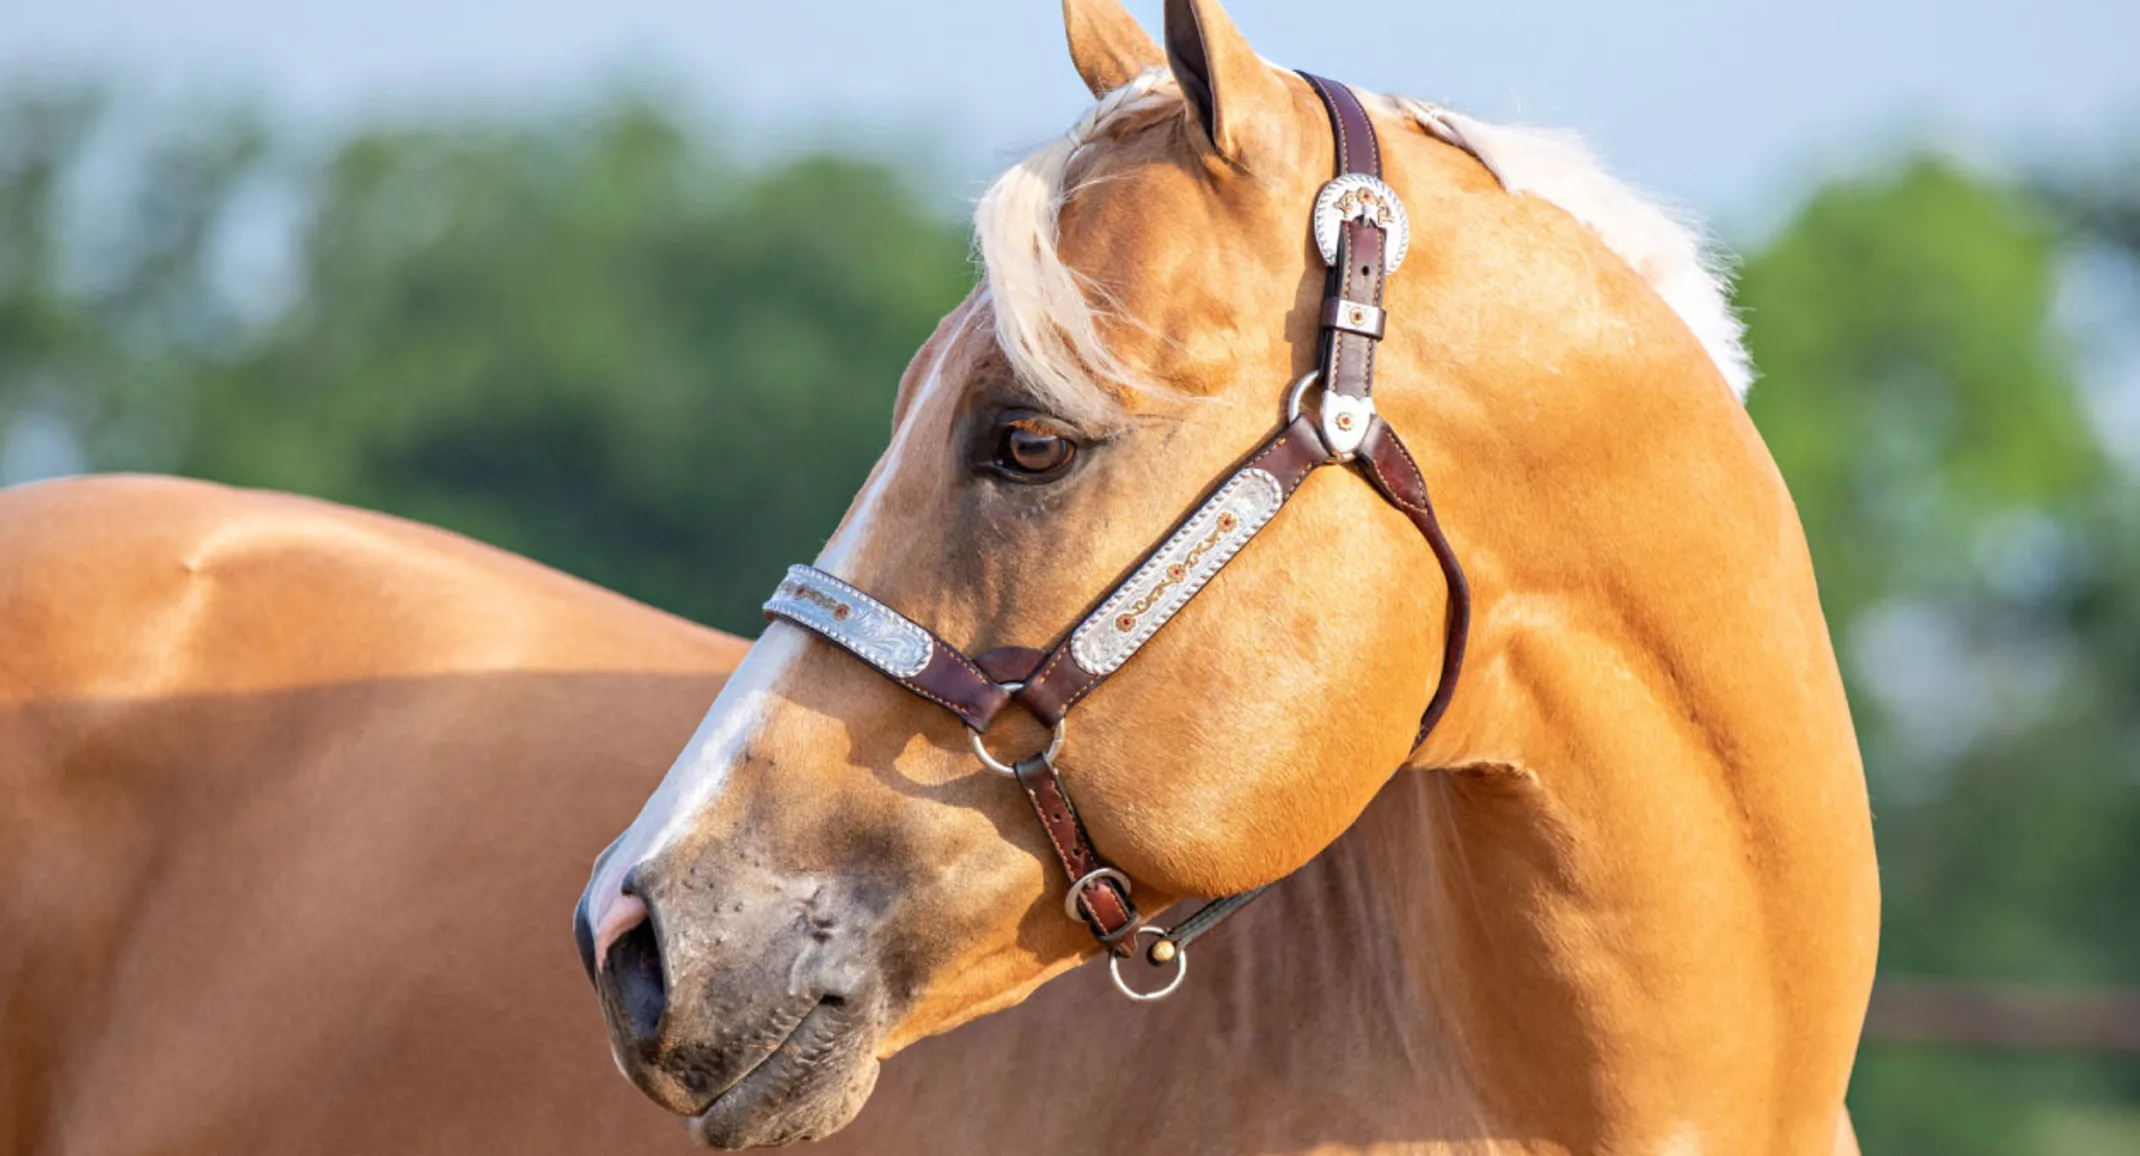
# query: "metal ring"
{"points": [[980, 751], [1077, 890], [1181, 970], [1300, 390]]}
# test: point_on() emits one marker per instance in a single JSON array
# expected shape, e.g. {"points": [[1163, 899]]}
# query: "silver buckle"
{"points": [[1359, 197], [1077, 890]]}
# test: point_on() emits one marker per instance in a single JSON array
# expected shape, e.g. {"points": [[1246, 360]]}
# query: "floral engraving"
{"points": [[872, 631], [1176, 571], [1359, 197]]}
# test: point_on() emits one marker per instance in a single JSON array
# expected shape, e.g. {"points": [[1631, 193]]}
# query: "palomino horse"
{"points": [[291, 800], [1622, 898]]}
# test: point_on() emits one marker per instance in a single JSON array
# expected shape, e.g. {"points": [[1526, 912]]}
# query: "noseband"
{"points": [[1361, 229]]}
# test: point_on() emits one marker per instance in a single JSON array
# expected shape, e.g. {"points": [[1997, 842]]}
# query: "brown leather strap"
{"points": [[949, 680], [1103, 903], [1054, 680], [1348, 355], [1353, 324], [841, 614], [1390, 466], [1359, 150], [1009, 664], [1290, 456], [956, 684]]}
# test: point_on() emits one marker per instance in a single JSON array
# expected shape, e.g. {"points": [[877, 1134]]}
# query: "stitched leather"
{"points": [[1007, 664], [1105, 907], [1054, 682], [1359, 150], [1348, 358], [953, 681], [1390, 466], [949, 680], [1061, 683]]}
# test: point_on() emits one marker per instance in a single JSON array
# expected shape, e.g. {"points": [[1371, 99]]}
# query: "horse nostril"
{"points": [[642, 986]]}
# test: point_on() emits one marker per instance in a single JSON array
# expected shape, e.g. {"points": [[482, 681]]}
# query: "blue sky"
{"points": [[1733, 108]]}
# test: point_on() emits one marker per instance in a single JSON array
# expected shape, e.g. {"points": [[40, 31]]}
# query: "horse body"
{"points": [[296, 799]]}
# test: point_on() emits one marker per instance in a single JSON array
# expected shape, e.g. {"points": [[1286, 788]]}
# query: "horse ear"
{"points": [[1107, 44], [1238, 99]]}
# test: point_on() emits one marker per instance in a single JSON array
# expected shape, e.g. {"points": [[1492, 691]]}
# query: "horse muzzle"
{"points": [[749, 1002]]}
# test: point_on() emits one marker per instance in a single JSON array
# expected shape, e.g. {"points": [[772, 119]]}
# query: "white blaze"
{"points": [[694, 782], [699, 775]]}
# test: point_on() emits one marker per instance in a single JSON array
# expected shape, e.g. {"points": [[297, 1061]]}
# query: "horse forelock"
{"points": [[1047, 315]]}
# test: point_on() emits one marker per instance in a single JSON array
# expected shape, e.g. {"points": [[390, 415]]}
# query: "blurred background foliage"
{"points": [[592, 336]]}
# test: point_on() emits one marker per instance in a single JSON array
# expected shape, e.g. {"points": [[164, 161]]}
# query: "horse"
{"points": [[1548, 780], [292, 800]]}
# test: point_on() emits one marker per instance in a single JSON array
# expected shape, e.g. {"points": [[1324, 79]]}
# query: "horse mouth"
{"points": [[807, 1087]]}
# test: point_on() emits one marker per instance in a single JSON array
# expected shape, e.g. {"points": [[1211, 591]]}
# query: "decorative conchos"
{"points": [[1355, 197], [1180, 568], [872, 631], [1345, 422]]}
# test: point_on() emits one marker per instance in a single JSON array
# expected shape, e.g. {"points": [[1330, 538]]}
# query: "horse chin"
{"points": [[809, 1087]]}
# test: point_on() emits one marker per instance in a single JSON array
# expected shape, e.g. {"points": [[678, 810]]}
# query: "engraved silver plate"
{"points": [[1357, 196], [1180, 568], [874, 632], [1345, 423]]}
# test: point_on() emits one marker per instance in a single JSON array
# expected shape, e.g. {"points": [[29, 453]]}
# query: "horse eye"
{"points": [[1029, 454]]}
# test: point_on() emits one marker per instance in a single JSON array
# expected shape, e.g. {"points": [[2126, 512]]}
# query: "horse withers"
{"points": [[1620, 897]]}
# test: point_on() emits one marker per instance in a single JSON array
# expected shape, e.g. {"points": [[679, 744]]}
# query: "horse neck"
{"points": [[1306, 1023], [1635, 849], [1331, 987], [1645, 816]]}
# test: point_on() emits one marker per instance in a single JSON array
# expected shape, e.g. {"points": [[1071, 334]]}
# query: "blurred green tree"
{"points": [[1972, 542], [105, 318], [1914, 390], [596, 342]]}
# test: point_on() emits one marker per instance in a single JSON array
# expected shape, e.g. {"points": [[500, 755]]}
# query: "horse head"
{"points": [[828, 873]]}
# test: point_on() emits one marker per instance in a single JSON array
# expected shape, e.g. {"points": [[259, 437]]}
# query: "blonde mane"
{"points": [[1045, 313]]}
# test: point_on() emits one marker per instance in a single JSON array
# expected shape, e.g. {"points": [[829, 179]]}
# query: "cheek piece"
{"points": [[1361, 230]]}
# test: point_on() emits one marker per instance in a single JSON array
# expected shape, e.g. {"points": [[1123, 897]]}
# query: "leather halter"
{"points": [[1361, 227]]}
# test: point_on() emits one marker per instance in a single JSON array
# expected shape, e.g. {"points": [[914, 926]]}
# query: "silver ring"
{"points": [[1181, 970], [1077, 890], [1300, 390], [980, 751]]}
